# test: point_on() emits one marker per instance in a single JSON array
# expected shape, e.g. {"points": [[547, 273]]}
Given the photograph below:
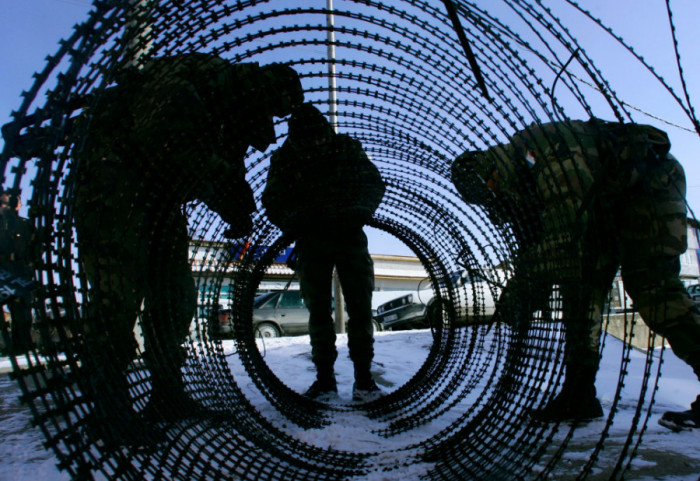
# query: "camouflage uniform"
{"points": [[175, 131], [321, 196], [15, 258], [608, 195]]}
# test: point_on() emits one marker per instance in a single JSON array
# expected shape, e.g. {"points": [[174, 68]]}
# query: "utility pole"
{"points": [[333, 101], [137, 31]]}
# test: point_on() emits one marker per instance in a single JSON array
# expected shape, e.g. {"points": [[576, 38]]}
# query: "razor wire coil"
{"points": [[406, 92]]}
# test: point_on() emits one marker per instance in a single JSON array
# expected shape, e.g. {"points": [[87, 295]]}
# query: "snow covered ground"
{"points": [[661, 455]]}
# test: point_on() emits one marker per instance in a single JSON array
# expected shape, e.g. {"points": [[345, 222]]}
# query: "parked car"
{"points": [[405, 312], [419, 309], [282, 313], [694, 292]]}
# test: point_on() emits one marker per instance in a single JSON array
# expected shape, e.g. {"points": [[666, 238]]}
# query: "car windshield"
{"points": [[260, 301], [466, 277], [291, 299]]}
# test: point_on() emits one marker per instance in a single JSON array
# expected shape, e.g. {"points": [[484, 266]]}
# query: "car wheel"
{"points": [[376, 327], [266, 330]]}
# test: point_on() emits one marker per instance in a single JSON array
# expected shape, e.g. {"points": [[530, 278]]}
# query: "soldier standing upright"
{"points": [[608, 194], [321, 190], [175, 131], [15, 258]]}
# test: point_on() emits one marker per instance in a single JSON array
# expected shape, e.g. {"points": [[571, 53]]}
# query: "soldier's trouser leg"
{"points": [[653, 232], [583, 305], [661, 299], [582, 333], [664, 304], [169, 310], [21, 317], [109, 346], [315, 270], [582, 310], [356, 273]]}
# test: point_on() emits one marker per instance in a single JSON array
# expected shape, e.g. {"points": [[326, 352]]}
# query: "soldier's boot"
{"points": [[684, 420], [168, 401], [577, 400], [113, 418], [325, 386], [364, 389]]}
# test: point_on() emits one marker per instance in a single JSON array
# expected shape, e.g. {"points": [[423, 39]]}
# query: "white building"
{"points": [[690, 261], [214, 265]]}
